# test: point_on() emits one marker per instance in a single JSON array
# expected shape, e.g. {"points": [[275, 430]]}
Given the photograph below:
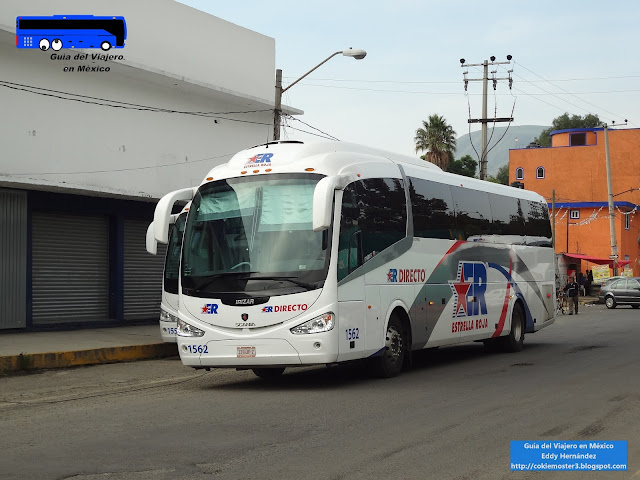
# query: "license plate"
{"points": [[246, 352]]}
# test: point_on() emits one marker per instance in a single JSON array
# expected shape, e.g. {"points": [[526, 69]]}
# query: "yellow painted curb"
{"points": [[35, 361]]}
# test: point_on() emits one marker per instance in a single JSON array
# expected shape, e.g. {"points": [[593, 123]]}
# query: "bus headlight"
{"points": [[187, 330], [167, 317], [323, 323]]}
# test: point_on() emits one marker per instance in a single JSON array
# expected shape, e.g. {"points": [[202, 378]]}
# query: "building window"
{"points": [[577, 139], [627, 222], [540, 172], [519, 173], [574, 214]]}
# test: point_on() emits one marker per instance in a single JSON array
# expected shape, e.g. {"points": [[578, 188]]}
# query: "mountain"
{"points": [[499, 155]]}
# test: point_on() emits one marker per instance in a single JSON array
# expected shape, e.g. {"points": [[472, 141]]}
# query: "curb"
{"points": [[37, 361]]}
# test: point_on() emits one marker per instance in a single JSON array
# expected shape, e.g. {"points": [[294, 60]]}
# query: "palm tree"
{"points": [[438, 139]]}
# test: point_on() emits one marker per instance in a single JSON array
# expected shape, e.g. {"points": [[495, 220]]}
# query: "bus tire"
{"points": [[268, 373], [390, 362], [105, 46], [515, 340]]}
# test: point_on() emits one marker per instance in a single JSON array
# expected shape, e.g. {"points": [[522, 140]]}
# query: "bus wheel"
{"points": [[389, 363], [268, 373], [105, 45], [515, 340]]}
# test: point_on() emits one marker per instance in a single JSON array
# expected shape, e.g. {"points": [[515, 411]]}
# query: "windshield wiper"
{"points": [[209, 280], [308, 286]]}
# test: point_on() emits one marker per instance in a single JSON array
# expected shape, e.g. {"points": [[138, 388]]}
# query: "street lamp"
{"points": [[357, 53]]}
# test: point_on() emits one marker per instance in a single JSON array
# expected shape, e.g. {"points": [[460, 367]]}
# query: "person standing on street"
{"points": [[572, 289]]}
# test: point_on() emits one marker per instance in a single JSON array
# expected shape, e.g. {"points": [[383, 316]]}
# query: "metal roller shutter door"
{"points": [[13, 259], [70, 270], [142, 273]]}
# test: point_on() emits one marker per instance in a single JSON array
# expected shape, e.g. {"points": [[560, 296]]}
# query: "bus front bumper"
{"points": [[248, 353], [168, 331]]}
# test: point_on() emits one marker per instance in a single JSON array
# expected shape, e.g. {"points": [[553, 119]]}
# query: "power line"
{"points": [[456, 82], [422, 92], [569, 93], [311, 126], [124, 105], [311, 133]]}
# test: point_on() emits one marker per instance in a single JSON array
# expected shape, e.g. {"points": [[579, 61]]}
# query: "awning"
{"points": [[597, 260]]}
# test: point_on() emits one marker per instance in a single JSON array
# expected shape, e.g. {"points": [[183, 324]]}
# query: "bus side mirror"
{"points": [[162, 214], [323, 200], [152, 244], [323, 203]]}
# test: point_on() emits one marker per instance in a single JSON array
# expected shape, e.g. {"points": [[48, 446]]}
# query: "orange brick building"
{"points": [[575, 167]]}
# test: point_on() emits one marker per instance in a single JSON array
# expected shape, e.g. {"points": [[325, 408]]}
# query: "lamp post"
{"points": [[358, 54]]}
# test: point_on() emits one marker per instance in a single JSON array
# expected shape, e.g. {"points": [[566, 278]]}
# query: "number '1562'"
{"points": [[352, 333], [198, 348]]}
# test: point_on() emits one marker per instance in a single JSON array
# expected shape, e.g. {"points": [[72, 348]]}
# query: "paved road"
{"points": [[451, 417]]}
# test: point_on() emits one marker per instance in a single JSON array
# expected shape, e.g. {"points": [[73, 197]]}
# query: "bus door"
{"points": [[351, 280]]}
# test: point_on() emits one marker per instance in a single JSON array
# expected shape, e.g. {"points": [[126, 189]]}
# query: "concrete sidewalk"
{"points": [[91, 346], [88, 346]]}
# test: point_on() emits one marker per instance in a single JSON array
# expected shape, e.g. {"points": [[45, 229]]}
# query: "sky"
{"points": [[568, 56]]}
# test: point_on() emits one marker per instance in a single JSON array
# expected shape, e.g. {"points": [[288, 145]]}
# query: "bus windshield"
{"points": [[172, 262], [254, 234]]}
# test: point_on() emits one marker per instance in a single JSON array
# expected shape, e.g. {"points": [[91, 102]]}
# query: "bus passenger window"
{"points": [[347, 259], [376, 208], [432, 208]]}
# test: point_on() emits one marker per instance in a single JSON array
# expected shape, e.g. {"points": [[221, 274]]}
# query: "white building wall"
{"points": [[53, 142]]}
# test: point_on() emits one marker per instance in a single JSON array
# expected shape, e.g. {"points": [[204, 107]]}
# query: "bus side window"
{"points": [[433, 210], [384, 213], [473, 214], [347, 256], [537, 223], [508, 219], [376, 208]]}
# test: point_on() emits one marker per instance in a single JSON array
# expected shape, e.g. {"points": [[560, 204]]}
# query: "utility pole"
{"points": [[612, 224], [553, 220], [277, 112], [553, 229], [484, 120]]}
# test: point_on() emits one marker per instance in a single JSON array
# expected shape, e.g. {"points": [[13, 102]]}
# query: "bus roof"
{"points": [[336, 157]]}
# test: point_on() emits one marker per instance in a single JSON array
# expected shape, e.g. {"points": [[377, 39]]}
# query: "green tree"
{"points": [[565, 122], [502, 176], [463, 166], [438, 139]]}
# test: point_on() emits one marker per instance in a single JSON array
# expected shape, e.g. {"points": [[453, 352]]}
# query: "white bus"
{"points": [[169, 302], [304, 254]]}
